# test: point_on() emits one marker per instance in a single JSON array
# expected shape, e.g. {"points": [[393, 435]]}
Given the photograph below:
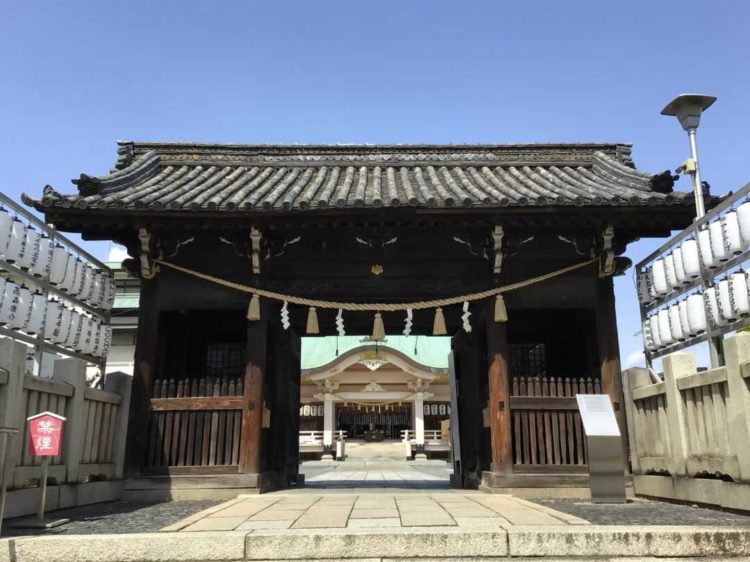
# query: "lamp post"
{"points": [[688, 108]]}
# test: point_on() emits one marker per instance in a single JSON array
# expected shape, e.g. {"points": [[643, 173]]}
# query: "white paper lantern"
{"points": [[60, 333], [90, 342], [743, 218], [75, 329], [36, 317], [724, 296], [730, 228], [52, 318], [104, 341], [659, 277], [88, 284], [738, 290], [109, 293], [704, 244], [696, 314], [59, 265], [19, 315], [717, 241], [674, 323], [684, 321], [71, 273], [644, 295], [712, 306], [97, 289], [11, 291], [648, 341], [6, 223], [16, 242], [84, 334], [41, 265], [75, 290], [671, 271], [679, 268], [690, 259], [665, 332], [30, 249]]}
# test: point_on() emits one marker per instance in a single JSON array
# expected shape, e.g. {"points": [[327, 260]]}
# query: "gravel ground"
{"points": [[115, 517], [642, 512]]}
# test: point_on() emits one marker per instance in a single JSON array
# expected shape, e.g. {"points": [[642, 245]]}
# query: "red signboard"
{"points": [[45, 434]]}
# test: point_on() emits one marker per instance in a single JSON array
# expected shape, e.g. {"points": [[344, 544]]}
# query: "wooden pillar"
{"points": [[252, 414], [499, 396], [609, 349], [146, 352]]}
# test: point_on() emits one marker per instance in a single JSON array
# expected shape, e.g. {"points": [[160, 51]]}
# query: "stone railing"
{"points": [[92, 454], [690, 434]]}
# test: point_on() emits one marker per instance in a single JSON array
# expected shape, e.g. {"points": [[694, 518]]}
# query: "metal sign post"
{"points": [[606, 460], [45, 437]]}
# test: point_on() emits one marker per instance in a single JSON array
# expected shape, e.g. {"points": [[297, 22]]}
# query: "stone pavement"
{"points": [[389, 476], [373, 511]]}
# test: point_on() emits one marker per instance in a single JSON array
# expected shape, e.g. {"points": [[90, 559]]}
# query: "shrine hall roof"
{"points": [[182, 177]]}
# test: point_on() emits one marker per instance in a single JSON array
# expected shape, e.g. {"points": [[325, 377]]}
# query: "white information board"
{"points": [[597, 414]]}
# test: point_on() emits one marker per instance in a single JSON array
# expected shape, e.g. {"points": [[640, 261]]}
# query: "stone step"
{"points": [[552, 543]]}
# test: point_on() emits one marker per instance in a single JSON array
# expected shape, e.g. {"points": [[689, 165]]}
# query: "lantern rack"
{"points": [[43, 284], [704, 280]]}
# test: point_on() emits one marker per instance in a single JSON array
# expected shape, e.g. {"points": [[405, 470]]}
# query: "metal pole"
{"points": [[43, 499], [715, 344], [700, 208]]}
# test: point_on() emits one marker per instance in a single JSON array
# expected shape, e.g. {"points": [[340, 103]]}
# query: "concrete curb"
{"points": [[423, 543]]}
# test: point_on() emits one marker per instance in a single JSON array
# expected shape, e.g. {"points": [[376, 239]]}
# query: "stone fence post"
{"points": [[120, 383], [12, 405], [633, 378], [73, 373], [737, 352], [677, 365]]}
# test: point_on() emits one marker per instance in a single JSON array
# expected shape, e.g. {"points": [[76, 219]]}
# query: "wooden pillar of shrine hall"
{"points": [[499, 396], [144, 374], [251, 445], [609, 350]]}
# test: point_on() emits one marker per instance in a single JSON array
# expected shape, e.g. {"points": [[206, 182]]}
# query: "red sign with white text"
{"points": [[45, 434]]}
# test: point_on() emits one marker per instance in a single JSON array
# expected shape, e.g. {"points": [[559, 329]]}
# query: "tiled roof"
{"points": [[178, 177]]}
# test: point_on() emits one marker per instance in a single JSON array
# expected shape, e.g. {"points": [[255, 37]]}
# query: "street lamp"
{"points": [[688, 108]]}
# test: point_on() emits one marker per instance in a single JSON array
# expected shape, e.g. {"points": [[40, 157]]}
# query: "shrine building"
{"points": [[504, 253]]}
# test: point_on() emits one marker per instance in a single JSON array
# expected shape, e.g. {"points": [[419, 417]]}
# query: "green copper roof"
{"points": [[129, 300], [431, 351]]}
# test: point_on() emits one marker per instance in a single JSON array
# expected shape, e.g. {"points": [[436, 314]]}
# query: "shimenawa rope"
{"points": [[375, 307]]}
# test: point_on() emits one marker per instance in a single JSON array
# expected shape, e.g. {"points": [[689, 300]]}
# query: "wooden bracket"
{"points": [[148, 268], [497, 238], [607, 260], [255, 239]]}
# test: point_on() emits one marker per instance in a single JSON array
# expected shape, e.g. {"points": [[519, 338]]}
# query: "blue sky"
{"points": [[76, 76]]}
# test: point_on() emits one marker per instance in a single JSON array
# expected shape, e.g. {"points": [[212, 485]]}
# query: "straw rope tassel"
{"points": [[378, 329], [438, 327], [253, 311], [312, 321], [501, 315]]}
